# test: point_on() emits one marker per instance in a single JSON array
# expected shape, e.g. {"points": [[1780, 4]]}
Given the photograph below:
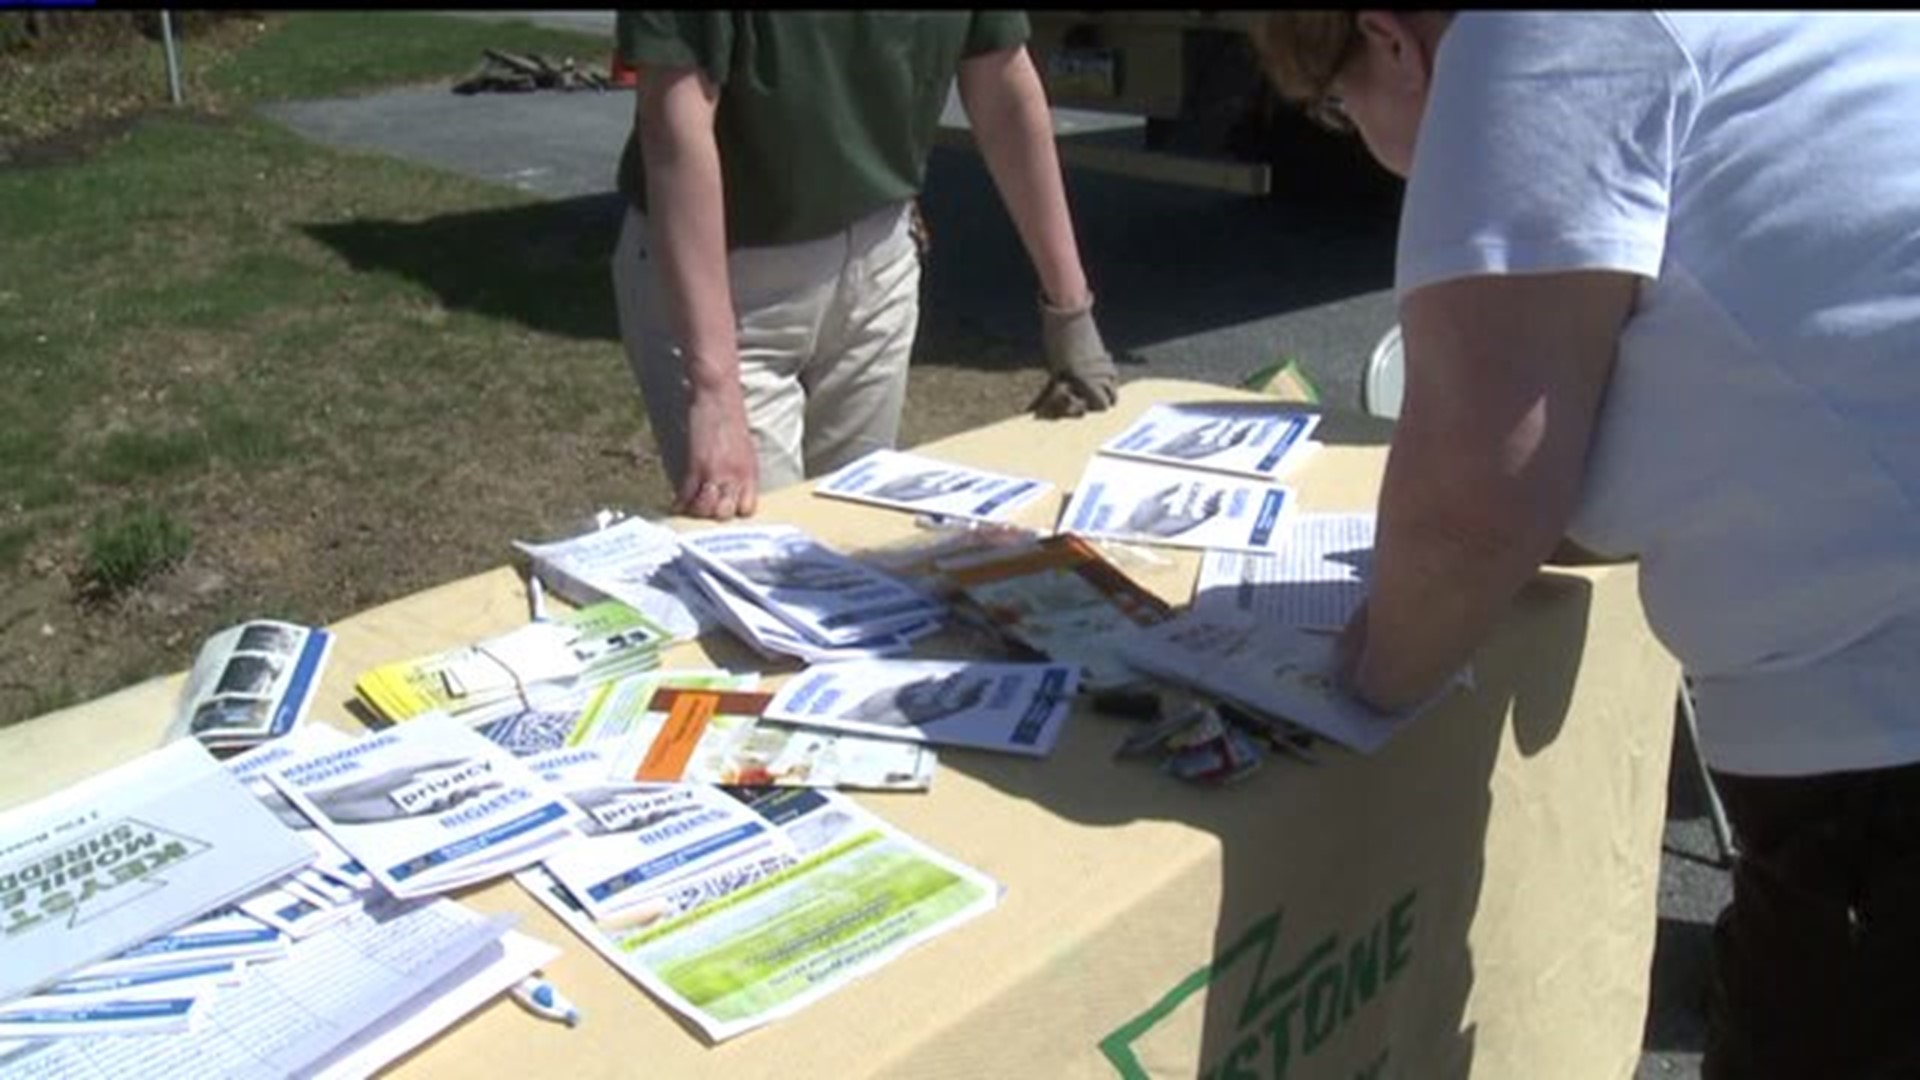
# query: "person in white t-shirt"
{"points": [[1659, 287]]}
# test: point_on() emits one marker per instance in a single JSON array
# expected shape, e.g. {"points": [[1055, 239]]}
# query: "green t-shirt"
{"points": [[823, 117]]}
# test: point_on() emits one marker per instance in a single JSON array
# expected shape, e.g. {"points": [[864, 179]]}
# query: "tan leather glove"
{"points": [[1080, 372]]}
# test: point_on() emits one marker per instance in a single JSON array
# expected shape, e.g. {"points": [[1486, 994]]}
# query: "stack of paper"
{"points": [[734, 949], [428, 806], [944, 489], [1278, 671], [341, 1004], [1061, 599], [334, 885], [599, 713], [158, 987], [712, 736], [127, 855], [785, 593], [634, 561], [1010, 707], [515, 670]]}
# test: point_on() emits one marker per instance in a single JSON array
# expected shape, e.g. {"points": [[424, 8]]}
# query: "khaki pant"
{"points": [[825, 327]]}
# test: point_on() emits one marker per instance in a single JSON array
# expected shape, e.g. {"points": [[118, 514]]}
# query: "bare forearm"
{"points": [[1007, 107], [1455, 544], [687, 226]]}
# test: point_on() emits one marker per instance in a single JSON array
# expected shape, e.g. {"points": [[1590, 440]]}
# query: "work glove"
{"points": [[1080, 372]]}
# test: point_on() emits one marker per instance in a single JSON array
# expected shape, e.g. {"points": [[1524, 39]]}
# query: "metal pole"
{"points": [[173, 61]]}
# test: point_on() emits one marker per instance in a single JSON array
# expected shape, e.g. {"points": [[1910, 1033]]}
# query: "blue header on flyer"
{"points": [[1270, 507], [306, 671], [499, 834], [1295, 425]]}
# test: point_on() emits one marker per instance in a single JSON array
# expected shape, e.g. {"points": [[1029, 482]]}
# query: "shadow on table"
{"points": [[1309, 976]]}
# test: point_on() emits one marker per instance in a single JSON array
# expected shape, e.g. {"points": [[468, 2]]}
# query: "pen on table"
{"points": [[539, 996], [537, 597]]}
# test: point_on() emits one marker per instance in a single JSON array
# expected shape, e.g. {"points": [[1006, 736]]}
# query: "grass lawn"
{"points": [[212, 413]]}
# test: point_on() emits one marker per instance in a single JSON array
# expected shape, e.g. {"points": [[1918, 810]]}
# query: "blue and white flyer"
{"points": [[1015, 708], [428, 805], [1118, 499], [927, 485], [831, 597], [1248, 439], [643, 837], [126, 855]]}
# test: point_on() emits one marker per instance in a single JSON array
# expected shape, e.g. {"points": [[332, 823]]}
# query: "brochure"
{"points": [[634, 561], [1317, 579], [331, 994], [126, 855], [905, 481], [1010, 707], [715, 736], [512, 671], [1062, 599], [583, 718], [1258, 440], [770, 636], [251, 683], [640, 838], [1280, 671], [827, 596], [742, 953], [1160, 504], [428, 806]]}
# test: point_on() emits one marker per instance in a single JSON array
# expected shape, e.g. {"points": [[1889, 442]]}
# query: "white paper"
{"points": [[864, 894], [127, 855], [293, 1014], [927, 485], [764, 632], [1255, 440], [1279, 671], [428, 805], [1159, 504], [826, 595], [641, 837], [635, 561], [1316, 579], [1016, 708], [486, 976]]}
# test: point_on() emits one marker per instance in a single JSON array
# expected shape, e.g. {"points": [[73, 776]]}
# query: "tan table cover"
{"points": [[1476, 899]]}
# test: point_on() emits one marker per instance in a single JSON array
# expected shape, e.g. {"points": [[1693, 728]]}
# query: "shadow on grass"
{"points": [[542, 265]]}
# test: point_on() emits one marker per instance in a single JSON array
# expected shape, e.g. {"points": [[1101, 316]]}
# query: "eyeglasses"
{"points": [[1330, 112]]}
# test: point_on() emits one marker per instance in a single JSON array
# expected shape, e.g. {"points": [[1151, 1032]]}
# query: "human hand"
{"points": [[723, 474], [1080, 371]]}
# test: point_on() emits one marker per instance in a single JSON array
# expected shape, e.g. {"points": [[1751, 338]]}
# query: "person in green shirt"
{"points": [[766, 276]]}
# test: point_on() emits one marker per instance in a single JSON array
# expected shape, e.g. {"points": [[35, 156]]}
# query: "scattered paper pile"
{"points": [[786, 594], [518, 669]]}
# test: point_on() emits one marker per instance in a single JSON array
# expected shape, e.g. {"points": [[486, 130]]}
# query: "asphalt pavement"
{"points": [[1191, 283]]}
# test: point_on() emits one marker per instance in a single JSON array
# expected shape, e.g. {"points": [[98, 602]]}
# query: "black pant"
{"points": [[1817, 960]]}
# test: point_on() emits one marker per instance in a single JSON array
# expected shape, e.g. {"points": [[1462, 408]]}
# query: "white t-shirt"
{"points": [[1759, 447]]}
